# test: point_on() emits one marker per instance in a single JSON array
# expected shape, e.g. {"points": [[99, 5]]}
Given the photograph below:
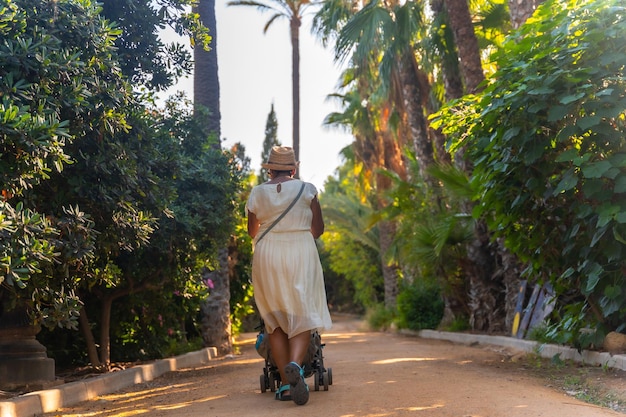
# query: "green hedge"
{"points": [[420, 306]]}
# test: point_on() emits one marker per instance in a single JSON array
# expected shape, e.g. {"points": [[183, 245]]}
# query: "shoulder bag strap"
{"points": [[282, 215]]}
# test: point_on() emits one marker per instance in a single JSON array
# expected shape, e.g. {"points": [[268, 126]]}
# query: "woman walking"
{"points": [[285, 218]]}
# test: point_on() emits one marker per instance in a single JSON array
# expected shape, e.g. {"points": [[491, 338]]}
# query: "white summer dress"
{"points": [[286, 269]]}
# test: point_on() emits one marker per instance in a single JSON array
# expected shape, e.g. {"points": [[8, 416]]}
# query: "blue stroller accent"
{"points": [[313, 363]]}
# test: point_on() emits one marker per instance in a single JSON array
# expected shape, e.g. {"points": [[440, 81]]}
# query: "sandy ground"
{"points": [[373, 374]]}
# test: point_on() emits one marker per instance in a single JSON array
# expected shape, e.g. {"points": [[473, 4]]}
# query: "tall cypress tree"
{"points": [[271, 139]]}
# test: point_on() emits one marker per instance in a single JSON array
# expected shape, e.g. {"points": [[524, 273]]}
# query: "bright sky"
{"points": [[255, 71]]}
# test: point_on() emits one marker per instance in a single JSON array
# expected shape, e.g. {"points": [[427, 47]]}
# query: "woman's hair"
{"points": [[286, 171]]}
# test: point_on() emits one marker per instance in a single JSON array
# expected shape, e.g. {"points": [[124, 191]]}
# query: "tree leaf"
{"points": [[606, 213], [618, 160], [609, 306], [567, 156], [511, 133], [568, 182], [541, 91], [592, 186], [568, 273], [600, 232], [566, 133], [618, 236], [533, 152], [593, 277], [557, 113], [588, 122], [596, 169], [570, 98]]}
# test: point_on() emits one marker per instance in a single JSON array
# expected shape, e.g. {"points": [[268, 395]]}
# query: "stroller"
{"points": [[313, 363]]}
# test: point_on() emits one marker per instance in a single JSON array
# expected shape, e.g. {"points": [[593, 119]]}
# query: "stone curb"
{"points": [[39, 402], [545, 350]]}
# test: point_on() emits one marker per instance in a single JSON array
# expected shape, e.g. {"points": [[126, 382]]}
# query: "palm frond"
{"points": [[454, 180], [362, 33], [351, 218], [250, 3], [330, 18], [272, 20]]}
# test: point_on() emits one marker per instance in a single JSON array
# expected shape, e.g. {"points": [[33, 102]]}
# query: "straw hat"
{"points": [[282, 158]]}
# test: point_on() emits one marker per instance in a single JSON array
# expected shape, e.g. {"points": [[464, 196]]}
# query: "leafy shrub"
{"points": [[379, 317], [420, 306], [458, 324]]}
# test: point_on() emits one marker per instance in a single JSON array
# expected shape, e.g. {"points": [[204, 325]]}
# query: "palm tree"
{"points": [[378, 41], [216, 326], [491, 270], [206, 86], [466, 42], [292, 10], [391, 31], [393, 35], [375, 148]]}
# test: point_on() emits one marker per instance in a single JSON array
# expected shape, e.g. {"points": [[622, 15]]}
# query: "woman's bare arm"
{"points": [[317, 224], [253, 224]]}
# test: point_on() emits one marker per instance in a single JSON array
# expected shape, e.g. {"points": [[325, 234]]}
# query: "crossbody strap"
{"points": [[282, 215]]}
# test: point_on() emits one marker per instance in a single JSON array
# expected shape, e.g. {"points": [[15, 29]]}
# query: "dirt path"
{"points": [[374, 374]]}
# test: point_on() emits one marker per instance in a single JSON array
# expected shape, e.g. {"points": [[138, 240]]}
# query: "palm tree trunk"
{"points": [[206, 86], [453, 84], [521, 10], [216, 327], [415, 90], [466, 42], [387, 232], [294, 26], [486, 287]]}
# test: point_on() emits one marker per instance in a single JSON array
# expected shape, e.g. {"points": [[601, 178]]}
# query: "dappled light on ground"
{"points": [[143, 403], [398, 360], [342, 336], [422, 408]]}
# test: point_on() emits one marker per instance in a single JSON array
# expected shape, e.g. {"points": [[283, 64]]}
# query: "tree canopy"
{"points": [[104, 195]]}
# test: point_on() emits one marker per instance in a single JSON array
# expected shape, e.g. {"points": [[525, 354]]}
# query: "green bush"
{"points": [[420, 306], [379, 317], [458, 324]]}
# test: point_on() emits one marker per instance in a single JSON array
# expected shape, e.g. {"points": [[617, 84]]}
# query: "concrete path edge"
{"points": [[66, 395], [545, 350]]}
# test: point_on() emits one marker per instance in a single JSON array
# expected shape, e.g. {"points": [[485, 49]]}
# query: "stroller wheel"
{"points": [[272, 382], [326, 380], [264, 383], [329, 376], [317, 377]]}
